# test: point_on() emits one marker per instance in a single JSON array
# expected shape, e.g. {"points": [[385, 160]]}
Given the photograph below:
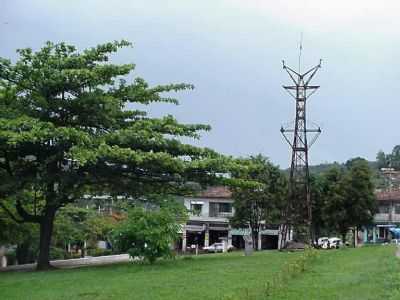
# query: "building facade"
{"points": [[208, 223], [388, 216]]}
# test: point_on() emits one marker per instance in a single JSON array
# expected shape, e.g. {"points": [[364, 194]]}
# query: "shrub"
{"points": [[57, 253], [147, 234], [11, 257], [99, 252]]}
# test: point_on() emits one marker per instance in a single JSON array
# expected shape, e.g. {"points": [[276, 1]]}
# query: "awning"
{"points": [[395, 231], [196, 202], [246, 231], [240, 231], [194, 228], [270, 232]]}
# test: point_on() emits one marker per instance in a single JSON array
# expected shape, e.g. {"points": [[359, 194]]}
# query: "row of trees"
{"points": [[342, 198], [386, 160], [74, 227]]}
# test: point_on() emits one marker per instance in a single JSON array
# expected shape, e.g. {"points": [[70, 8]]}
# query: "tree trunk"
{"points": [[355, 237], [46, 231], [254, 235]]}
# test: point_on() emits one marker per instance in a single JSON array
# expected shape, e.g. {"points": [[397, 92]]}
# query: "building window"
{"points": [[397, 209], [383, 209], [196, 208], [225, 207], [220, 209]]}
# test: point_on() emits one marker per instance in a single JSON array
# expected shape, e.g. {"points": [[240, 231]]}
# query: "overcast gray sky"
{"points": [[231, 51]]}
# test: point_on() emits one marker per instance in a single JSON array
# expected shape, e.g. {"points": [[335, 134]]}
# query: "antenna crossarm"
{"points": [[290, 87], [286, 138], [307, 130], [290, 71], [313, 71]]}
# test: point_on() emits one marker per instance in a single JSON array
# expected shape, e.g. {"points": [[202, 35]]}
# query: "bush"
{"points": [[147, 234], [11, 257], [99, 252], [57, 253]]}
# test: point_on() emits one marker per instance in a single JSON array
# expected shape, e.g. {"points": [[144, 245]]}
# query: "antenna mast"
{"points": [[298, 212]]}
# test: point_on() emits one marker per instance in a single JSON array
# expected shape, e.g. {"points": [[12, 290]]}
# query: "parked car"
{"points": [[329, 243], [335, 243], [217, 247], [321, 241]]}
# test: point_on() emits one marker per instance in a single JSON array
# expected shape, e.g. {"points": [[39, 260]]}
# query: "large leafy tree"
{"points": [[334, 202], [318, 204], [71, 124], [260, 205], [349, 197], [359, 192]]}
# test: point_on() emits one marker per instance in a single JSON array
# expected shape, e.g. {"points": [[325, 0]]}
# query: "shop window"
{"points": [[383, 209]]}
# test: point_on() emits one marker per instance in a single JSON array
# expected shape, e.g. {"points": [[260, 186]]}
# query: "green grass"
{"points": [[366, 273], [203, 277]]}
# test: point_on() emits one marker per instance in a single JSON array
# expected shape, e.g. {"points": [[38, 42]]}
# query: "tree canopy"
{"points": [[71, 123], [344, 198], [262, 205]]}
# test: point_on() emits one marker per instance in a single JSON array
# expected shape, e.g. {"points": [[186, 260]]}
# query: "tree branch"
{"points": [[27, 217], [10, 214]]}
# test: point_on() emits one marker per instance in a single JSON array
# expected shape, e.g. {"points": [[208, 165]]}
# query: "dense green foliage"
{"points": [[148, 234], [363, 273], [70, 124], [344, 198], [75, 228], [75, 225], [261, 206]]}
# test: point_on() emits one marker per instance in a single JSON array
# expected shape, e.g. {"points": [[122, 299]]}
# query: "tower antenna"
{"points": [[298, 213], [300, 49]]}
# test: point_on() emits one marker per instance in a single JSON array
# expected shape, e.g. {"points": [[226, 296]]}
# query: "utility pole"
{"points": [[298, 213]]}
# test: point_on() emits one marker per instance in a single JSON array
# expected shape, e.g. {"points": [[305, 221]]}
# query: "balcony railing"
{"points": [[380, 217], [221, 214], [211, 214]]}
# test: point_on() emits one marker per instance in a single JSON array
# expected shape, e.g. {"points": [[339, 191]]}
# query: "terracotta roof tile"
{"points": [[388, 195], [216, 192]]}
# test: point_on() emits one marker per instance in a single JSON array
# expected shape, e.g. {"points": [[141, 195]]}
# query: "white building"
{"points": [[208, 223]]}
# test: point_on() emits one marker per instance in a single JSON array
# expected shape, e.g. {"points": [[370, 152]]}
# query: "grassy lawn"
{"points": [[366, 273], [203, 277]]}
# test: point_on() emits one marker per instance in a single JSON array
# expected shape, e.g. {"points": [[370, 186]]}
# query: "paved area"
{"points": [[74, 263]]}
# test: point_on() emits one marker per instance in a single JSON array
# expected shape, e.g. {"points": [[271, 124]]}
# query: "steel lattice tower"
{"points": [[298, 213]]}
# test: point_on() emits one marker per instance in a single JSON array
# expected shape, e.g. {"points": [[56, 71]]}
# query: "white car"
{"points": [[329, 243], [334, 243], [217, 247], [322, 241]]}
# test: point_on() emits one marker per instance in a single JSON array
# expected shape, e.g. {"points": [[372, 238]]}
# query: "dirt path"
{"points": [[74, 263]]}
